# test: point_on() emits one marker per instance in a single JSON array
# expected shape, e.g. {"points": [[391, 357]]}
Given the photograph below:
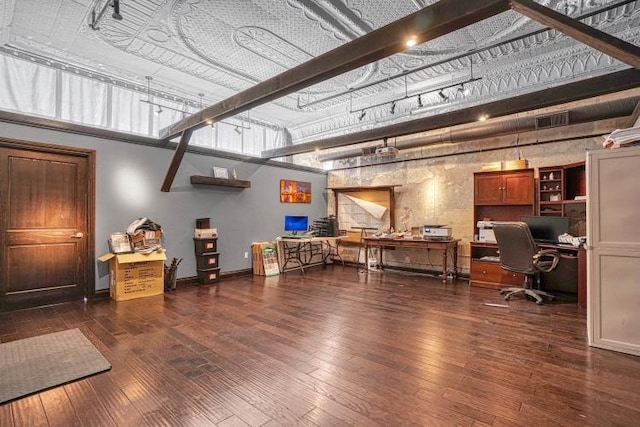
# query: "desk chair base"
{"points": [[533, 293]]}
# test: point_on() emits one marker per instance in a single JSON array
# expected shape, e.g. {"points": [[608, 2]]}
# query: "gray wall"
{"points": [[128, 179]]}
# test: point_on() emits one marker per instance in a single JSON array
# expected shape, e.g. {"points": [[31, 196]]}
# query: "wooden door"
{"points": [[46, 239]]}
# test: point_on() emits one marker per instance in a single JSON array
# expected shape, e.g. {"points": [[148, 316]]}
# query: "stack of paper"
{"points": [[622, 137]]}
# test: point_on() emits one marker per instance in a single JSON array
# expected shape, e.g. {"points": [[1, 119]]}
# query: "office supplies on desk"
{"points": [[485, 232], [436, 232]]}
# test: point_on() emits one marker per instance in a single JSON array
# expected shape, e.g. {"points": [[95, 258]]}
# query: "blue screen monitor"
{"points": [[546, 228], [294, 224]]}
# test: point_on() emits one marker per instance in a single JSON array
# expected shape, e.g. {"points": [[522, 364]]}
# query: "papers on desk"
{"points": [[490, 258]]}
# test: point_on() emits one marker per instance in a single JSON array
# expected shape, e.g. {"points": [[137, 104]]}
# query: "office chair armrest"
{"points": [[546, 260]]}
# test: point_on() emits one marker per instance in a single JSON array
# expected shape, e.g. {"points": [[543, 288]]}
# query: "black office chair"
{"points": [[520, 254]]}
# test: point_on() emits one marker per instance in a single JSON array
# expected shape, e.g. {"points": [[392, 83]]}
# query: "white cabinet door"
{"points": [[613, 260]]}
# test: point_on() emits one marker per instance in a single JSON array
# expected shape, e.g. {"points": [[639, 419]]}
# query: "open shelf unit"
{"points": [[558, 187], [221, 182]]}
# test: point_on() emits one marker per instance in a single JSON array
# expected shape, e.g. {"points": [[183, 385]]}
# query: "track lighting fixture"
{"points": [[238, 131], [116, 10], [158, 111], [420, 101], [464, 90], [363, 113], [442, 95], [393, 107], [94, 24]]}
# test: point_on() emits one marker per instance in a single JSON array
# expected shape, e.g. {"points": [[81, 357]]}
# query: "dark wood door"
{"points": [[46, 199]]}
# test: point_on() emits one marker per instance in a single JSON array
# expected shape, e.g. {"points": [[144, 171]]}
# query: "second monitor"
{"points": [[546, 228]]}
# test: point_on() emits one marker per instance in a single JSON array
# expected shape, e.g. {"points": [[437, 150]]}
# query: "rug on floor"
{"points": [[34, 364]]}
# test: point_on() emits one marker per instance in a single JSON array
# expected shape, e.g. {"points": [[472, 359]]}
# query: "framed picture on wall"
{"points": [[295, 191], [220, 172]]}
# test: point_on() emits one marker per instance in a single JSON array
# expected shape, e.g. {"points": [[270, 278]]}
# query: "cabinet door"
{"points": [[518, 188], [488, 189]]}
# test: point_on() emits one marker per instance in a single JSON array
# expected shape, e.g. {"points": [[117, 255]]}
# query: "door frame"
{"points": [[90, 156]]}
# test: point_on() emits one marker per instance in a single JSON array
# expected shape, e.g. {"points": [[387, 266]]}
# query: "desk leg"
{"points": [[455, 260], [444, 265]]}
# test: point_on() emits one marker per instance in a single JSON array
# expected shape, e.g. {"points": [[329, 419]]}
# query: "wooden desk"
{"points": [[417, 245], [301, 252], [581, 254], [487, 272]]}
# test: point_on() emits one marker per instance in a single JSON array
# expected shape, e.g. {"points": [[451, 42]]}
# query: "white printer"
{"points": [[485, 232], [438, 232]]}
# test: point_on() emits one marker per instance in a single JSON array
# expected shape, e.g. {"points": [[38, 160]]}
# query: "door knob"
{"points": [[77, 235]]}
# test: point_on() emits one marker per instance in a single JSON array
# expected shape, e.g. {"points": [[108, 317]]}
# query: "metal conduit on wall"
{"points": [[521, 122]]}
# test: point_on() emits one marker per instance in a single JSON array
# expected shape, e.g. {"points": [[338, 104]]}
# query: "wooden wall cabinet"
{"points": [[503, 188], [503, 195], [498, 196]]}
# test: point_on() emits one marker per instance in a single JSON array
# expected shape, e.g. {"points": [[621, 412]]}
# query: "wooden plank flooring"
{"points": [[331, 347]]}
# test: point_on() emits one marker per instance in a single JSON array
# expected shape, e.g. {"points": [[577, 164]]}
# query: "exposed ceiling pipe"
{"points": [[496, 127]]}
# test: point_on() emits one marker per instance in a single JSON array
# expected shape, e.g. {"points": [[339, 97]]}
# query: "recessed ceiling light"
{"points": [[411, 41], [482, 118]]}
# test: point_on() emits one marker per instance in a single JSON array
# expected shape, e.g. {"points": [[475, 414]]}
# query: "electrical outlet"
{"points": [[246, 255]]}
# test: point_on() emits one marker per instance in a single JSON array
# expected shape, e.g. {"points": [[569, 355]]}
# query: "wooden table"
{"points": [[301, 252], [417, 245]]}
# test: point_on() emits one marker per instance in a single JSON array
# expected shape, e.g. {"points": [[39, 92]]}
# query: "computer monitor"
{"points": [[295, 223], [546, 228]]}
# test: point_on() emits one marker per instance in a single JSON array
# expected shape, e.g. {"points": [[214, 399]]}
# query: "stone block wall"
{"points": [[437, 185]]}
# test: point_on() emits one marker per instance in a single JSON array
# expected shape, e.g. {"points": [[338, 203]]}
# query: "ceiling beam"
{"points": [[176, 160], [616, 48], [426, 24], [596, 86]]}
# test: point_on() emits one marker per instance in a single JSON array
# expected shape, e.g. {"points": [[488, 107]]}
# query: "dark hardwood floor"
{"points": [[332, 347]]}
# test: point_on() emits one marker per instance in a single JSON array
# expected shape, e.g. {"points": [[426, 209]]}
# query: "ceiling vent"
{"points": [[552, 120]]}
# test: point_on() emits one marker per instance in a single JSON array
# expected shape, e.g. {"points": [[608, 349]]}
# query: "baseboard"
{"points": [[227, 274]]}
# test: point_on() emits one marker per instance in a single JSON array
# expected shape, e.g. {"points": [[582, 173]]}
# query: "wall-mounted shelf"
{"points": [[222, 182]]}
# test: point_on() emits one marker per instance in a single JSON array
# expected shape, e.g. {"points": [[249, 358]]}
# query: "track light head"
{"points": [[420, 105], [158, 111], [363, 113], [464, 90], [393, 107], [443, 96], [116, 10], [238, 131]]}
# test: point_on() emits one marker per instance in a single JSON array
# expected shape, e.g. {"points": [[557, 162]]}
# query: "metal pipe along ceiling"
{"points": [[500, 126]]}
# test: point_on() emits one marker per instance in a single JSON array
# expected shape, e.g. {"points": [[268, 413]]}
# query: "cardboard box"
{"points": [[515, 164], [492, 166], [135, 275]]}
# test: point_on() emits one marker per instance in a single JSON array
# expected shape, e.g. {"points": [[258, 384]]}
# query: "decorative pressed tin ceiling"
{"points": [[220, 47]]}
